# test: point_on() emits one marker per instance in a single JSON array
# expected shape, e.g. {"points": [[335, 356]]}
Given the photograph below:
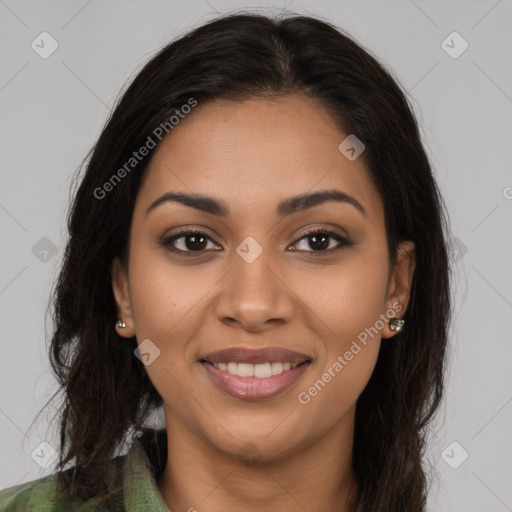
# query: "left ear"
{"points": [[399, 288]]}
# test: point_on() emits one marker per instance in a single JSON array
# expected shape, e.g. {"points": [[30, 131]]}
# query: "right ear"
{"points": [[121, 289]]}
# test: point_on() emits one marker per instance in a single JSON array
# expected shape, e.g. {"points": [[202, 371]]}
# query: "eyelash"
{"points": [[342, 241]]}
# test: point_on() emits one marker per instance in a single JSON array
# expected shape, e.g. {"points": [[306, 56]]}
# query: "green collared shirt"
{"points": [[142, 466]]}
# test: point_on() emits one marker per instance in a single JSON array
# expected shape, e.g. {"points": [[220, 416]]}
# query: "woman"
{"points": [[258, 246]]}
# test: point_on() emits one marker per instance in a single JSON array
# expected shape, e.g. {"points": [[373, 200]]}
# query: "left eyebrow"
{"points": [[286, 207], [305, 201]]}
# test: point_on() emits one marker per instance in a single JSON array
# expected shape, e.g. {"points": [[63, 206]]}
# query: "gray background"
{"points": [[53, 109]]}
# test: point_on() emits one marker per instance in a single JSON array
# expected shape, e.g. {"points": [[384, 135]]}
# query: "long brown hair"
{"points": [[107, 393]]}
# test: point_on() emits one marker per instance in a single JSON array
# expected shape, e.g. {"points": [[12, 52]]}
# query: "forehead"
{"points": [[255, 152]]}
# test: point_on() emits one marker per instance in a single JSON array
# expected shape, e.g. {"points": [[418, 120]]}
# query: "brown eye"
{"points": [[188, 242], [320, 241]]}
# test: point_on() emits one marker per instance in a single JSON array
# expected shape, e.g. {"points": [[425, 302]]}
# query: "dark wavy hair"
{"points": [[106, 391]]}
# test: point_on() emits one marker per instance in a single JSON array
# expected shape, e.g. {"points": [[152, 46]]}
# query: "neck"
{"points": [[316, 477]]}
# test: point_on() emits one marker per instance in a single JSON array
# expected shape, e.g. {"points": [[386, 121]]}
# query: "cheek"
{"points": [[164, 296], [344, 308], [346, 299], [166, 302]]}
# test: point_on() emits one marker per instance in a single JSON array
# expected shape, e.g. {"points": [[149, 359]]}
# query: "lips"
{"points": [[286, 367], [255, 356], [254, 388]]}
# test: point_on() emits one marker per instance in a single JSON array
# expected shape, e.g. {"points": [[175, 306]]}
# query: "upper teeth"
{"points": [[261, 370]]}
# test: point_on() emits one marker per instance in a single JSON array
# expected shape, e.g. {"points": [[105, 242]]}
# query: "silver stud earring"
{"points": [[396, 324], [120, 324]]}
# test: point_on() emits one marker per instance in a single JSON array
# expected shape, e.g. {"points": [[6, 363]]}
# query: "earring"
{"points": [[120, 324], [396, 324]]}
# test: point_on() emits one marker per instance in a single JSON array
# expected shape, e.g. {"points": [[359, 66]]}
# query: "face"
{"points": [[256, 274]]}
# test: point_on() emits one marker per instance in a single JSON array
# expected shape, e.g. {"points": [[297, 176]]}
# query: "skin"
{"points": [[252, 155]]}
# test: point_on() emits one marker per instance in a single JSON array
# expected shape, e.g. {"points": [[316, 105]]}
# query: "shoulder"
{"points": [[42, 496], [141, 466], [37, 495]]}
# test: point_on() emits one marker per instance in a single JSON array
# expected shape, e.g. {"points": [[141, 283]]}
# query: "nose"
{"points": [[254, 295]]}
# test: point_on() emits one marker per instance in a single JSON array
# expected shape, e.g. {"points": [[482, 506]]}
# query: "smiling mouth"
{"points": [[258, 370], [259, 381]]}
